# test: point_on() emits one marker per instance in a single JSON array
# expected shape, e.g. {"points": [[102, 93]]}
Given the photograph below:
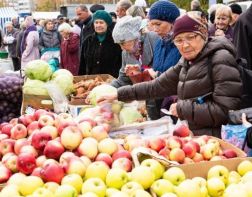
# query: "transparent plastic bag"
{"points": [[60, 101]]}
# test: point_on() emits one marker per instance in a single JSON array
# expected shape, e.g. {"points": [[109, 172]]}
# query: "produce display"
{"points": [[39, 72], [10, 96]]}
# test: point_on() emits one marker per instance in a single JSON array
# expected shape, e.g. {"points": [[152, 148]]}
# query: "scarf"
{"points": [[101, 37], [27, 31]]}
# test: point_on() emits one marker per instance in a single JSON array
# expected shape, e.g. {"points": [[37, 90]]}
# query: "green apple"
{"points": [[88, 194], [10, 191], [188, 188], [30, 184], [235, 190], [119, 194], [234, 177], [111, 191], [143, 175], [140, 193], [215, 187], [97, 169], [130, 187], [66, 191], [116, 178], [175, 175], [218, 171], [244, 167], [157, 168], [95, 185], [42, 192], [169, 194], [52, 186], [161, 187], [74, 180]]}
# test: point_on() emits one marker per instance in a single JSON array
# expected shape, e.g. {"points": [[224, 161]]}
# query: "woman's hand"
{"points": [[173, 109], [107, 98], [152, 73], [132, 69], [219, 32]]}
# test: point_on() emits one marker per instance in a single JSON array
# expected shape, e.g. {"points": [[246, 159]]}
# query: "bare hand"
{"points": [[245, 122], [152, 73], [132, 69], [106, 98], [219, 32], [173, 109]]}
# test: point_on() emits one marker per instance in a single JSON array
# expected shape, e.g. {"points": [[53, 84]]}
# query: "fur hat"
{"points": [[127, 28], [164, 10]]}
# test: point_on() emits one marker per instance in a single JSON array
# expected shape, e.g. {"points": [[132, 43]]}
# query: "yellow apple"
{"points": [[74, 180], [143, 175], [97, 169], [10, 191], [116, 178], [42, 192], [157, 168], [30, 184], [130, 187], [89, 194], [111, 191], [16, 179], [235, 190], [215, 187], [108, 146], [65, 191], [188, 188], [52, 186], [119, 193], [161, 187], [244, 167], [218, 171], [169, 194], [175, 175], [95, 185], [233, 177], [140, 193]]}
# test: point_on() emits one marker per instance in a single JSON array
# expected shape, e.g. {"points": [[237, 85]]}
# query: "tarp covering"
{"points": [[45, 15], [6, 13]]}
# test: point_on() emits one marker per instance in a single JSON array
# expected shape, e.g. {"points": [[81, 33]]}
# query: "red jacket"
{"points": [[69, 53]]}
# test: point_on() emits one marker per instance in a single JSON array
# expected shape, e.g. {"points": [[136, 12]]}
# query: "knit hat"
{"points": [[190, 22], [96, 7], [164, 10], [127, 28], [103, 15], [236, 8]]}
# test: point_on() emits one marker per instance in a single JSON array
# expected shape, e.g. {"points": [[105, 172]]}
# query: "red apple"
{"points": [[14, 121], [197, 146], [3, 137], [26, 119], [6, 157], [229, 153], [26, 163], [40, 139], [106, 158], [7, 146], [33, 126], [63, 118], [18, 131], [121, 154], [45, 120], [11, 163], [198, 157], [52, 172], [40, 160], [189, 149], [188, 160], [182, 131], [99, 133], [174, 142], [39, 113], [6, 129], [177, 155], [123, 163], [37, 172], [92, 122], [19, 144], [53, 149], [165, 152], [63, 125], [157, 144], [85, 128], [53, 131], [29, 149], [5, 174], [65, 157], [3, 124], [71, 137]]}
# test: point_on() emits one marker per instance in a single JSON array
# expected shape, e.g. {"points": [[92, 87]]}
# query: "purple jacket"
{"points": [[228, 32]]}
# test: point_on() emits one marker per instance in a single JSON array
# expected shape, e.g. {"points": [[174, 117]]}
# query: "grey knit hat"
{"points": [[127, 28]]}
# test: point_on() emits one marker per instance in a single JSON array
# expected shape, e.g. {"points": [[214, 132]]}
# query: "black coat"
{"points": [[243, 36], [100, 57]]}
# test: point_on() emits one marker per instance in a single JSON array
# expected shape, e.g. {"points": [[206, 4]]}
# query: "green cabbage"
{"points": [[100, 91], [65, 83], [62, 72], [35, 87], [38, 69], [129, 115]]}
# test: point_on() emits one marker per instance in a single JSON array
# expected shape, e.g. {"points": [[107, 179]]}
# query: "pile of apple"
{"points": [[181, 147]]}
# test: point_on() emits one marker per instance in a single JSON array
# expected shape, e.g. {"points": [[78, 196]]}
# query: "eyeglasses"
{"points": [[189, 39]]}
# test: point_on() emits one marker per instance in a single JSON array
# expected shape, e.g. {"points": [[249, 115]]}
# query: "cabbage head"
{"points": [[62, 72], [65, 83], [35, 87], [129, 115], [100, 91], [38, 69]]}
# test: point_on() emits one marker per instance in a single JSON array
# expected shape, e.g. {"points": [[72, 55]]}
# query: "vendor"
{"points": [[206, 79]]}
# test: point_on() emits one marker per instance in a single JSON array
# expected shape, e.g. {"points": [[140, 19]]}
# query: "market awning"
{"points": [[6, 14]]}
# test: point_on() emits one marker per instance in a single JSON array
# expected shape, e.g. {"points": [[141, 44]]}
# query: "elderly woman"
{"points": [[69, 49], [49, 38], [222, 21], [30, 41], [100, 55], [206, 79]]}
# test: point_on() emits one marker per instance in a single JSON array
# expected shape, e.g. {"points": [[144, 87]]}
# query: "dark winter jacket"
{"points": [[69, 53], [166, 55], [190, 81], [228, 32], [87, 28], [49, 39], [243, 36], [100, 57]]}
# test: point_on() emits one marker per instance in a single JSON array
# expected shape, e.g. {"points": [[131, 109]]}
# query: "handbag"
{"points": [[234, 117]]}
